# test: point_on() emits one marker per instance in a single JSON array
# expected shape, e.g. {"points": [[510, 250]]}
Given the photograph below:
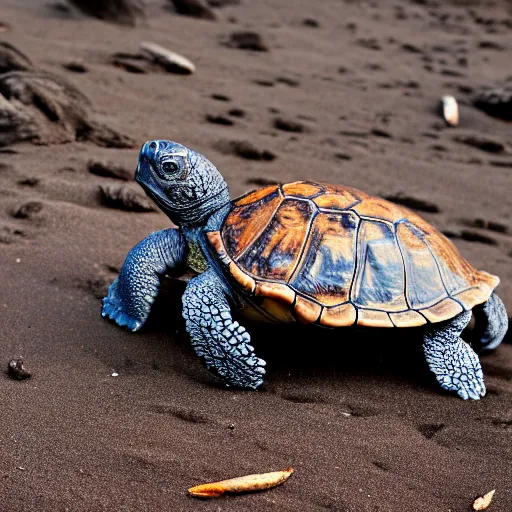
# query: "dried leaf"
{"points": [[248, 483], [483, 502]]}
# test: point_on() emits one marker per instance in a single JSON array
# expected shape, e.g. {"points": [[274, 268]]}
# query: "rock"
{"points": [[11, 59], [496, 101], [222, 120], [222, 3], [109, 170], [194, 8], [75, 67], [45, 109], [247, 41], [125, 12], [245, 149], [28, 210], [482, 142], [413, 203], [125, 198], [170, 61], [288, 125], [16, 369]]}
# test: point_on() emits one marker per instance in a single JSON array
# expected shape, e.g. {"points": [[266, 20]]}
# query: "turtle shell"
{"points": [[337, 256]]}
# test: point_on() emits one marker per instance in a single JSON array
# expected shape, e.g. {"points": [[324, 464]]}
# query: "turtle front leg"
{"points": [[132, 294], [454, 362], [223, 344]]}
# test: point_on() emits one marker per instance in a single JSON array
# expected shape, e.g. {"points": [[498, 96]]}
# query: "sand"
{"points": [[349, 96]]}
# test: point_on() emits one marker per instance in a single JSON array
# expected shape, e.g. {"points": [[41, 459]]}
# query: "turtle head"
{"points": [[183, 183]]}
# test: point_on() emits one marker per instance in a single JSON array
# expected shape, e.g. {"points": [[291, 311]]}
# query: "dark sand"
{"points": [[361, 419]]}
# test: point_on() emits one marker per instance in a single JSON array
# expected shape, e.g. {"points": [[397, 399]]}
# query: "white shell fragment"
{"points": [[450, 110], [170, 61], [483, 502]]}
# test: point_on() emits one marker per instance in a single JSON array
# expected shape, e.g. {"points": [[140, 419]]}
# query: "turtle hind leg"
{"points": [[491, 324], [454, 363], [223, 344]]}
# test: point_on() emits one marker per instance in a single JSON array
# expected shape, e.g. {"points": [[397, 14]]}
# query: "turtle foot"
{"points": [[112, 308]]}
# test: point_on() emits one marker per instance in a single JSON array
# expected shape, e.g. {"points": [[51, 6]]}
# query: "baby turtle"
{"points": [[304, 251]]}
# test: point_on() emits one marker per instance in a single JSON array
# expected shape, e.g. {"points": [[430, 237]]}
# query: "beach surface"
{"points": [[335, 91]]}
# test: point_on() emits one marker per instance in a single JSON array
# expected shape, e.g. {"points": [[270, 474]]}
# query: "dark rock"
{"points": [[109, 170], [472, 236], [220, 97], [310, 22], [245, 149], [225, 121], [411, 48], [29, 182], [288, 125], [381, 133], [125, 12], [28, 210], [75, 67], [482, 142], [45, 109], [262, 182], [125, 198], [11, 59], [247, 41], [16, 370], [413, 203], [194, 8], [222, 3], [236, 112], [288, 81], [496, 102]]}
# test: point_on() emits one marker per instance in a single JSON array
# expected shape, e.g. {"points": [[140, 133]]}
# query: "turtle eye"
{"points": [[170, 167]]}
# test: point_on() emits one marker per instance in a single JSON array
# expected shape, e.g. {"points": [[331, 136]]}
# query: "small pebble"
{"points": [[16, 369]]}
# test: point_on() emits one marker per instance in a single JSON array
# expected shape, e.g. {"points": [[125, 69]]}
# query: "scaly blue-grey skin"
{"points": [[454, 362], [223, 344], [193, 194], [491, 324], [132, 294], [191, 191]]}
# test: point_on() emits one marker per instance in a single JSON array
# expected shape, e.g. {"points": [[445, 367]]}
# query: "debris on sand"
{"points": [[496, 101], [483, 502], [169, 61], [450, 110], [43, 108], [11, 59], [109, 170], [125, 198], [194, 8], [482, 142], [247, 41], [248, 483], [245, 149], [125, 12], [16, 369], [413, 203]]}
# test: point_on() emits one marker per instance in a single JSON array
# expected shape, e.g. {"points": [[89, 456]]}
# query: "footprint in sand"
{"points": [[188, 415], [429, 430]]}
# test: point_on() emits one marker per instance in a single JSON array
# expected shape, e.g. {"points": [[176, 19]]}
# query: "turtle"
{"points": [[308, 252]]}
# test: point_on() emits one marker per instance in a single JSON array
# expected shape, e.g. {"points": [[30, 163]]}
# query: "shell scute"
{"points": [[274, 254], [328, 264], [337, 256]]}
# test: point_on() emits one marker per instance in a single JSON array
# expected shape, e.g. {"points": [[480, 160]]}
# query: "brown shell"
{"points": [[337, 256]]}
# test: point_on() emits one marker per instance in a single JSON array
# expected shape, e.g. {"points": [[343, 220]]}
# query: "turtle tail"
{"points": [[491, 324]]}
